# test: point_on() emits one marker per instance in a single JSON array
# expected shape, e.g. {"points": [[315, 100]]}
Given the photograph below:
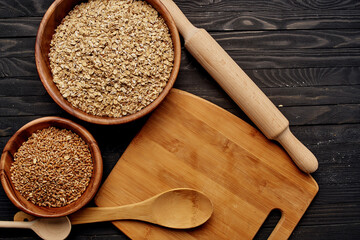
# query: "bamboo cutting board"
{"points": [[189, 142]]}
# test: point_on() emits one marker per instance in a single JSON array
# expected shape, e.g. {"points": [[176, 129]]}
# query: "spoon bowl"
{"points": [[193, 208], [52, 228], [46, 228]]}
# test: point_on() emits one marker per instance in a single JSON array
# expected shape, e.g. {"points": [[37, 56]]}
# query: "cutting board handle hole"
{"points": [[269, 224]]}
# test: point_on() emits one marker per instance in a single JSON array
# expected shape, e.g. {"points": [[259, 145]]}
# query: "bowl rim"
{"points": [[65, 105], [95, 180]]}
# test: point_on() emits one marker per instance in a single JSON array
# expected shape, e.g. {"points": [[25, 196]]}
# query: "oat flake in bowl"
{"points": [[111, 58]]}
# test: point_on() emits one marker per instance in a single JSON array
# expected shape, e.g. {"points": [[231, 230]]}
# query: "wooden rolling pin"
{"points": [[241, 89]]}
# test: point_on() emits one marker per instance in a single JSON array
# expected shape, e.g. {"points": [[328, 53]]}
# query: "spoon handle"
{"points": [[138, 211], [11, 224]]}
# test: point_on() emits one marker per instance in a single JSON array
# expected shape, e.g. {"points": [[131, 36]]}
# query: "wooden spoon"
{"points": [[177, 208], [46, 228]]}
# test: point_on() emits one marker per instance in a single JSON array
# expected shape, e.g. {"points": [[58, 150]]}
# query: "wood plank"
{"points": [[294, 96], [264, 5], [24, 27], [196, 80], [9, 125], [18, 8], [328, 232], [17, 47], [337, 173], [304, 115], [314, 95], [270, 59], [38, 7], [27, 86], [224, 21], [326, 135], [295, 39], [288, 58], [331, 114], [335, 214], [310, 76], [28, 105], [339, 193], [254, 19], [17, 67], [244, 41], [285, 58]]}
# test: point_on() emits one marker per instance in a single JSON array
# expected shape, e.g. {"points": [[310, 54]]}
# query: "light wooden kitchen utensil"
{"points": [[241, 89], [177, 208], [189, 142], [46, 228]]}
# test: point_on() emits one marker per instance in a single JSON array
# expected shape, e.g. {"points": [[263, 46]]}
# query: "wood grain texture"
{"points": [[184, 143], [274, 20], [263, 5], [247, 41], [17, 67], [12, 27], [22, 86], [224, 21], [38, 8], [287, 58], [23, 8], [300, 62]]}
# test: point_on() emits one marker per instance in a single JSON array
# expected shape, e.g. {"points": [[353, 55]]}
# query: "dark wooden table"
{"points": [[304, 54]]}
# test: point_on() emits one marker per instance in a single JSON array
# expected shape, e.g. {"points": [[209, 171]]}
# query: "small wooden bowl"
{"points": [[21, 136], [52, 18]]}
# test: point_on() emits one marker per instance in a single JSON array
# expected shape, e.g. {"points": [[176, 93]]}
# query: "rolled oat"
{"points": [[111, 57]]}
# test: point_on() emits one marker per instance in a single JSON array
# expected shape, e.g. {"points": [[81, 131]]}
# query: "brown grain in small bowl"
{"points": [[53, 17], [20, 137]]}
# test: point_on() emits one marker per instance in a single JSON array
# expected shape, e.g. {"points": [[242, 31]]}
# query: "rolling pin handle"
{"points": [[301, 155]]}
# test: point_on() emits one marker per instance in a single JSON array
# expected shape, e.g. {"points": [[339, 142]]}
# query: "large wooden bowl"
{"points": [[53, 17], [21, 136]]}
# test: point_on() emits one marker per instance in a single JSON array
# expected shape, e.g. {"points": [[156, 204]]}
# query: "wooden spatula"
{"points": [[241, 89]]}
